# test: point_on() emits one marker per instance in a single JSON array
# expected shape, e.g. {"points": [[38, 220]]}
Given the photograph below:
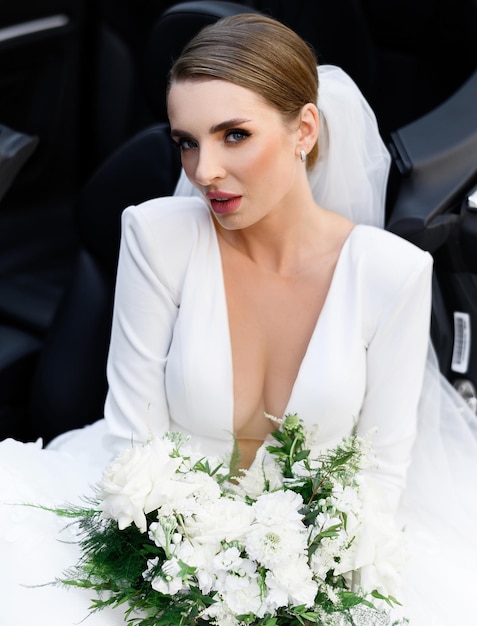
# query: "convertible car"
{"points": [[83, 133]]}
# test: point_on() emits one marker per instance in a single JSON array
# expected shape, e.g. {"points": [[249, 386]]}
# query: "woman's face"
{"points": [[236, 149]]}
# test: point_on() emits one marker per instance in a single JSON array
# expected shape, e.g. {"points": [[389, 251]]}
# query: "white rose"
{"points": [[139, 481]]}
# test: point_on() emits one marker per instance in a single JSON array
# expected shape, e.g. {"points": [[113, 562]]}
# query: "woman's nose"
{"points": [[208, 167]]}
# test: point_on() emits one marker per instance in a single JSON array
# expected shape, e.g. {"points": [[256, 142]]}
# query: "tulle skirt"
{"points": [[439, 508]]}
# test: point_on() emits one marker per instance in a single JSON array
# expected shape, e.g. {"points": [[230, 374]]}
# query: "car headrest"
{"points": [[174, 29], [147, 166]]}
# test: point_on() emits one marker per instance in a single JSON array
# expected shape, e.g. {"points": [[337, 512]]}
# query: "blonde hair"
{"points": [[256, 52]]}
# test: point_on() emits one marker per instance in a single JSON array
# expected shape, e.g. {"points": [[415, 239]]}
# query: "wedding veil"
{"points": [[351, 173]]}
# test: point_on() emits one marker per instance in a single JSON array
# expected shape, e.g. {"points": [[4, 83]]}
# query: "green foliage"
{"points": [[112, 564], [112, 560]]}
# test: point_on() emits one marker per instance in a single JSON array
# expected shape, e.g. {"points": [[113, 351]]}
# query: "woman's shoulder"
{"points": [[168, 213], [164, 234], [387, 263], [171, 225], [390, 274], [385, 249]]}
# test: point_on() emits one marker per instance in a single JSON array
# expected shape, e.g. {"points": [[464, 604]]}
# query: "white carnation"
{"points": [[272, 546], [206, 488], [219, 613], [279, 508], [241, 594], [221, 520], [200, 489], [295, 580]]}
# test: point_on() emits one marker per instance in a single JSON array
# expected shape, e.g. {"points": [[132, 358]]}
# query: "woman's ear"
{"points": [[309, 127]]}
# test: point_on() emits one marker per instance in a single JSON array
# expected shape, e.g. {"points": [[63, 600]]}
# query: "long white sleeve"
{"points": [[157, 239], [396, 358]]}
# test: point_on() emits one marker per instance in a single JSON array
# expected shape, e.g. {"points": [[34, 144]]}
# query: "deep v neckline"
{"points": [[313, 337], [227, 332], [318, 325]]}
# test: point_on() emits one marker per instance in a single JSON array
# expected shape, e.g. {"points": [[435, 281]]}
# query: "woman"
{"points": [[271, 253], [254, 297]]}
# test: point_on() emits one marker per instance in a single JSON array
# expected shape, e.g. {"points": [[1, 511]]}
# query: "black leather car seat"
{"points": [[69, 385]]}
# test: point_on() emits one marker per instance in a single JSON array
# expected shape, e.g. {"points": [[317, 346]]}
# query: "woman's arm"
{"points": [[396, 358], [156, 243]]}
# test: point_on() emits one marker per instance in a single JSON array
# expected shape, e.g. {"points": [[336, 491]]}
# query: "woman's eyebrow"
{"points": [[236, 121], [176, 132], [227, 124]]}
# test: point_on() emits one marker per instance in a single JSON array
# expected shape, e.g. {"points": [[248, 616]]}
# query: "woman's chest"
{"points": [[271, 320], [326, 386], [241, 349]]}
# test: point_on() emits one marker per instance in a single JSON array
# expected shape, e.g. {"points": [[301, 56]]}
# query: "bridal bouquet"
{"points": [[182, 540]]}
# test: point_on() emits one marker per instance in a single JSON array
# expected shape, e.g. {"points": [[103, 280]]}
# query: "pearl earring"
{"points": [[303, 156]]}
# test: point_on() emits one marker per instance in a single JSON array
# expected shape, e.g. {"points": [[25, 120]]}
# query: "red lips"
{"points": [[223, 202]]}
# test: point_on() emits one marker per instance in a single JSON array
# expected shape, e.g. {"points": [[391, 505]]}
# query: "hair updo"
{"points": [[258, 53]]}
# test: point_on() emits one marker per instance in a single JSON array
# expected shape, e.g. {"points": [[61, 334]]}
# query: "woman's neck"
{"points": [[283, 241]]}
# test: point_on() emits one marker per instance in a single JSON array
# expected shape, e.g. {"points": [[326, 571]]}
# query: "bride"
{"points": [[264, 286]]}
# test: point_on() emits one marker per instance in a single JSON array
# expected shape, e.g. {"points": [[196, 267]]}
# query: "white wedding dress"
{"points": [[170, 368]]}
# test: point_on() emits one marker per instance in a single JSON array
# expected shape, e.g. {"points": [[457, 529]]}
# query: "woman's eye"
{"points": [[186, 144], [235, 136]]}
